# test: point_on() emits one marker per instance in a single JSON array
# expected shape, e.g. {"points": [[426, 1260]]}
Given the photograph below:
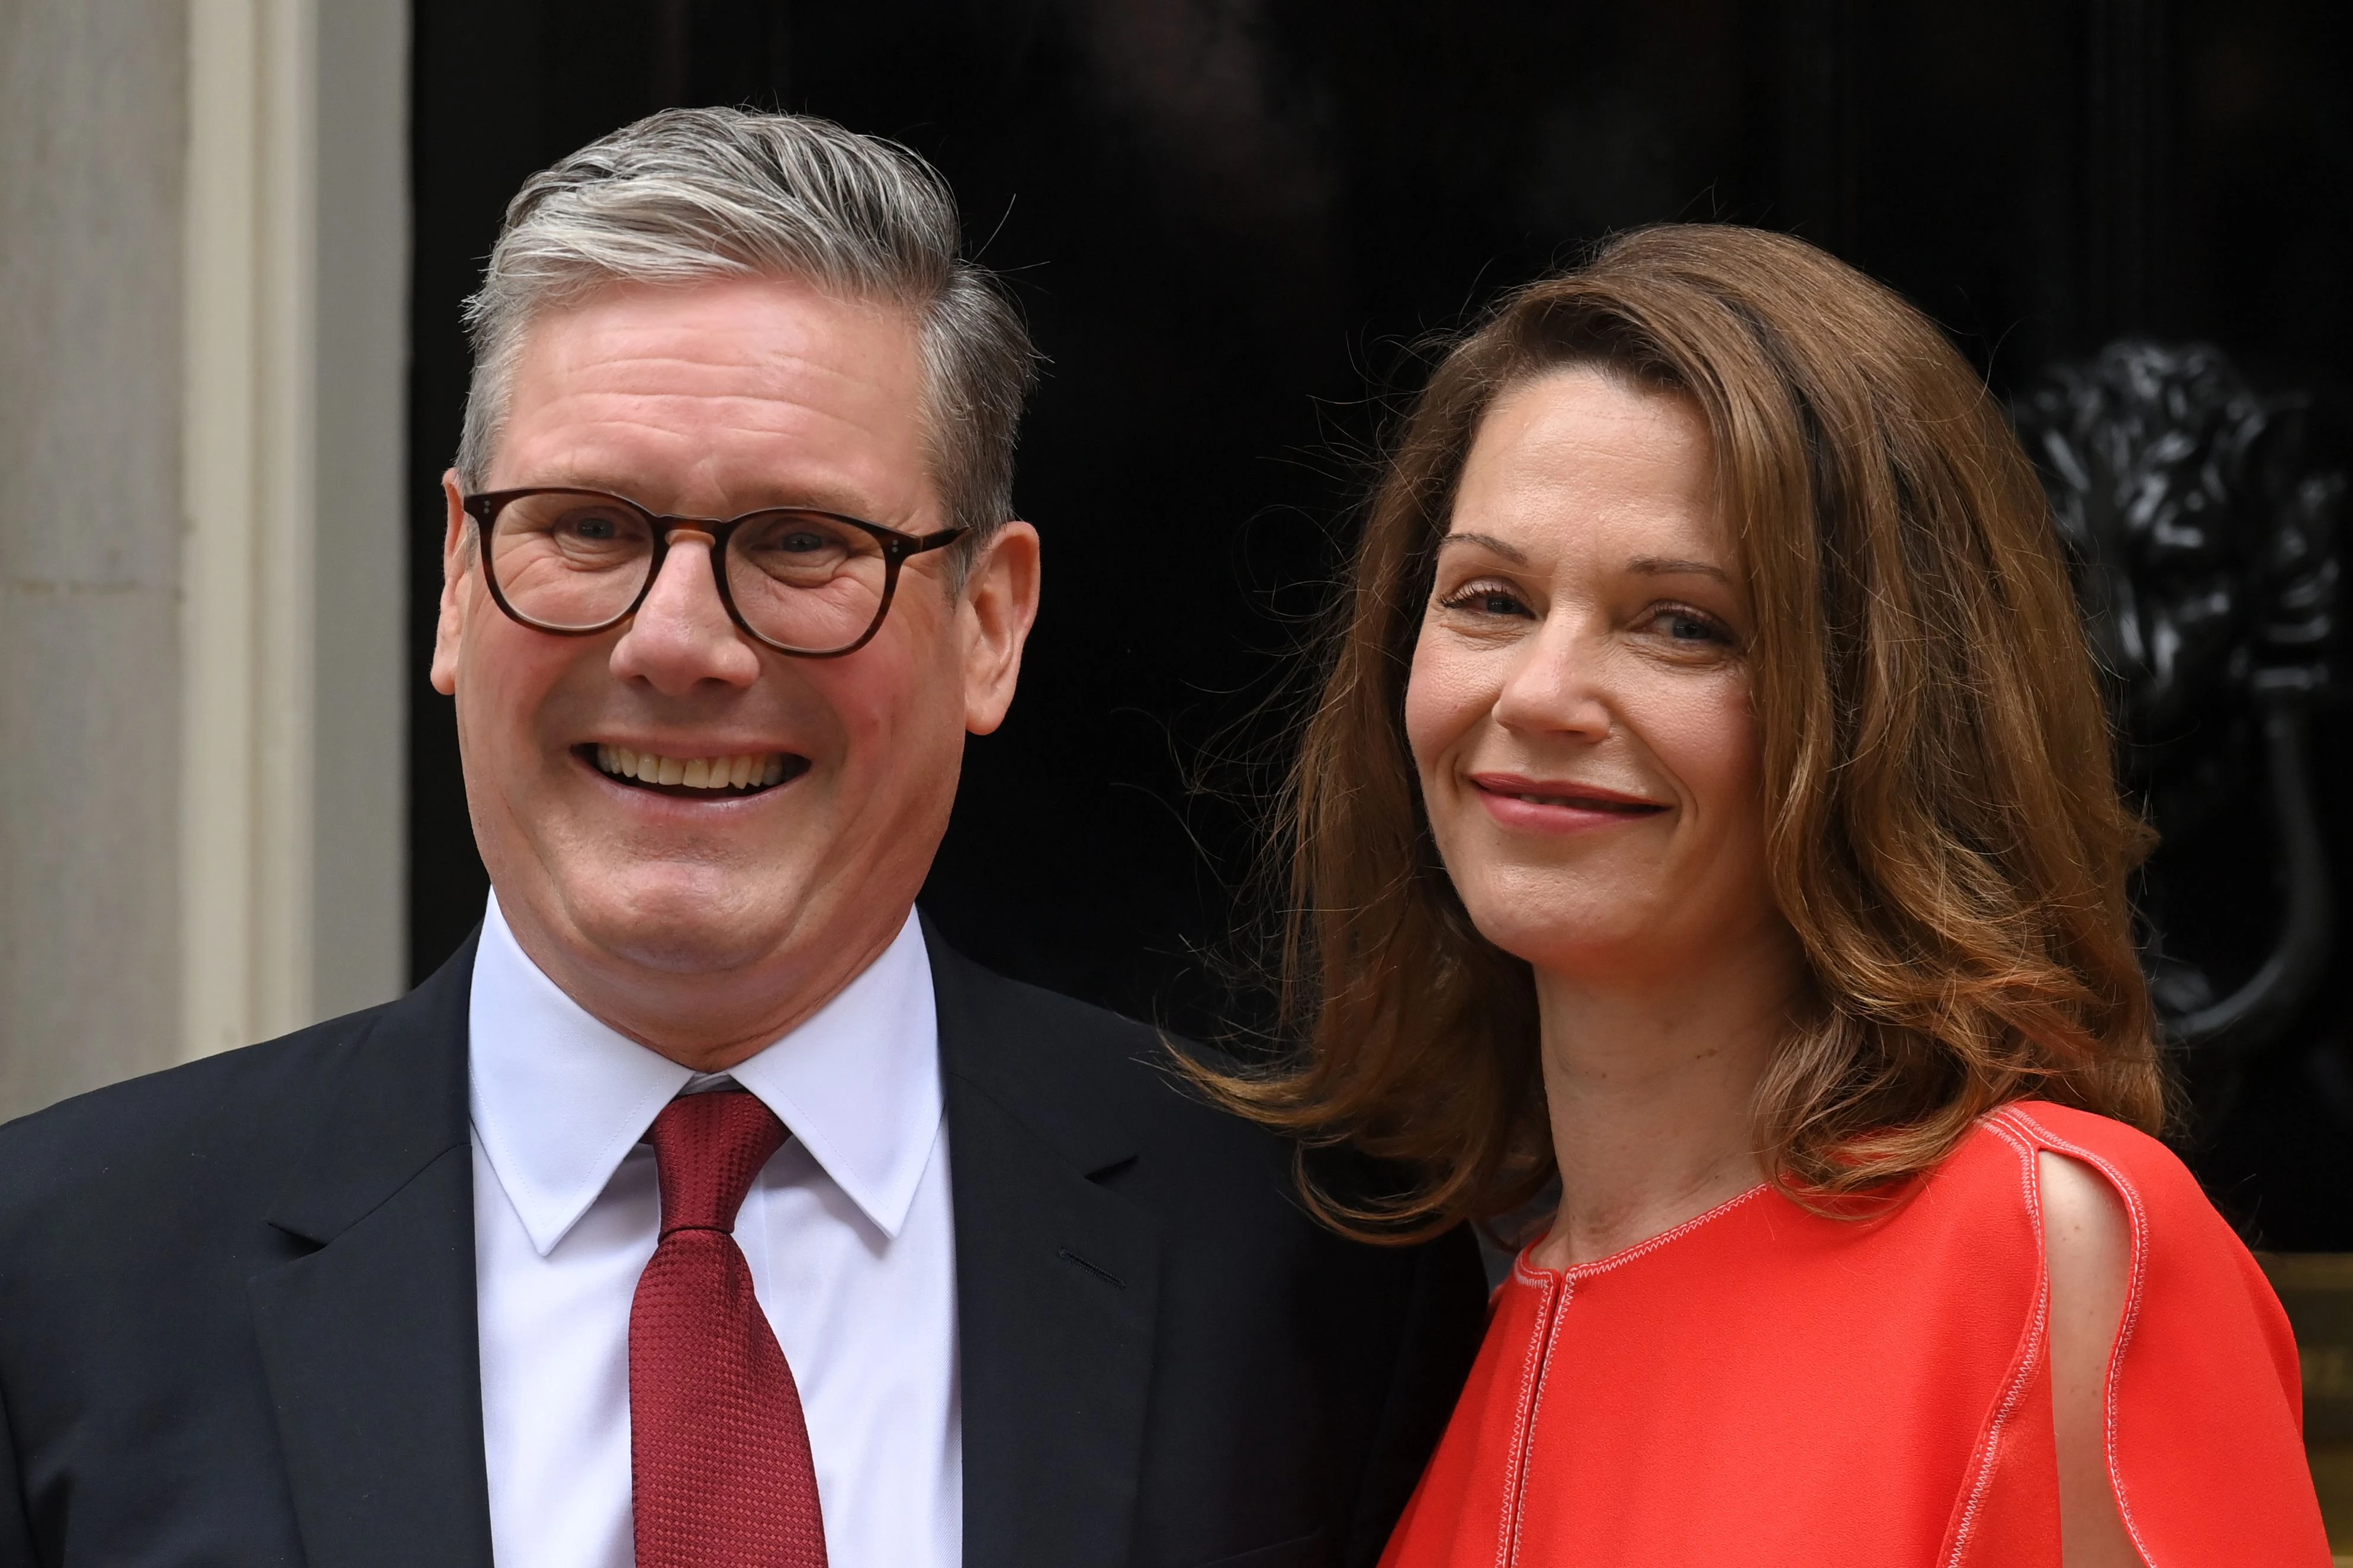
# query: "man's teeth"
{"points": [[753, 769]]}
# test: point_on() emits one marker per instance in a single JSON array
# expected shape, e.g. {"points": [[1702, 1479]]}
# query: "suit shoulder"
{"points": [[1003, 998], [1091, 1049], [216, 1105]]}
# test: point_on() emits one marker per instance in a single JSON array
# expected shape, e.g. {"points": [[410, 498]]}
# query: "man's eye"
{"points": [[591, 527]]}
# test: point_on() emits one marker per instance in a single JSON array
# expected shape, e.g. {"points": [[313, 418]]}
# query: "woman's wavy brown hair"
{"points": [[1944, 832]]}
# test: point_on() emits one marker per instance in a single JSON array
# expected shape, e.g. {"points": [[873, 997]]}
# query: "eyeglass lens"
{"points": [[573, 563]]}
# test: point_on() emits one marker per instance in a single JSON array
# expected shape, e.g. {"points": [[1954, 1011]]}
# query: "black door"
{"points": [[1233, 222]]}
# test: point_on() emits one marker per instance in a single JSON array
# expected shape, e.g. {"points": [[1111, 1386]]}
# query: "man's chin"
{"points": [[680, 934]]}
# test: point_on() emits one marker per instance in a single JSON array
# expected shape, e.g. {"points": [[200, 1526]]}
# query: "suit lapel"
{"points": [[372, 1351], [1057, 1282], [369, 1342]]}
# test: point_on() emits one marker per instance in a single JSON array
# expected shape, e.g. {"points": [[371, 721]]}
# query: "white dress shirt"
{"points": [[848, 1231]]}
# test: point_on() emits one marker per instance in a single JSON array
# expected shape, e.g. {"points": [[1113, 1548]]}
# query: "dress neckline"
{"points": [[1531, 1272]]}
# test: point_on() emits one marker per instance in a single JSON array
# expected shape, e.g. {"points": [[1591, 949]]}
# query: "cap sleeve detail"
{"points": [[2204, 1419]]}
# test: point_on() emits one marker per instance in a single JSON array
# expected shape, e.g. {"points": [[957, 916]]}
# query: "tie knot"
{"points": [[707, 1149]]}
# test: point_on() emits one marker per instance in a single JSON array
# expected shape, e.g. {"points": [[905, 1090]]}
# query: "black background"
{"points": [[1234, 223]]}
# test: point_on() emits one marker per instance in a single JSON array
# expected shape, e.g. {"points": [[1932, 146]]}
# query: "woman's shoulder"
{"points": [[1992, 1190], [2203, 1394], [2199, 1404], [2168, 1212], [2119, 1151], [2179, 1239], [1998, 1156], [2201, 1327]]}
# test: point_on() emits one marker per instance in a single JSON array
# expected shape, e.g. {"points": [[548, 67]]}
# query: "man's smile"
{"points": [[741, 773]]}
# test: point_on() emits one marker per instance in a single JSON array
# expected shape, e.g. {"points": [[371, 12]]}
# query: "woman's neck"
{"points": [[1650, 1084]]}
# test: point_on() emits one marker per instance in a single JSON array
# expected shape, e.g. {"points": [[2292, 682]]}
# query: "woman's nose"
{"points": [[1558, 683]]}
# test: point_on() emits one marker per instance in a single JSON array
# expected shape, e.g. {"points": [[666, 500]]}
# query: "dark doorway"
{"points": [[1232, 222]]}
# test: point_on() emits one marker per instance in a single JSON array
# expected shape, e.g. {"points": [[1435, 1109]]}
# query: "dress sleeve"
{"points": [[2205, 1399]]}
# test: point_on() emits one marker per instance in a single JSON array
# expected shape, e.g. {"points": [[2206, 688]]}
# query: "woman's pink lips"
{"points": [[1557, 807]]}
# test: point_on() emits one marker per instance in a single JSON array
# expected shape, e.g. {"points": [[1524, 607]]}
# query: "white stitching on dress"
{"points": [[1507, 1541], [1559, 1310], [2139, 1218], [2031, 1351], [1533, 1274], [1533, 1377]]}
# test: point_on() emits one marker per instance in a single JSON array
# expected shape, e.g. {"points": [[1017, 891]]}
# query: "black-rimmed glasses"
{"points": [[814, 584]]}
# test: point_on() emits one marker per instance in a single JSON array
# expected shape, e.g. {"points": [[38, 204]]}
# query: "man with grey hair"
{"points": [[705, 1209]]}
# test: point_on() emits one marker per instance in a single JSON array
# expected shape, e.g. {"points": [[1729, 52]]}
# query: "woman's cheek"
{"points": [[1440, 703], [1701, 729], [1435, 721]]}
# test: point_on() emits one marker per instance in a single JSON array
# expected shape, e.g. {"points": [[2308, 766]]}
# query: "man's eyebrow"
{"points": [[821, 498], [804, 498], [1487, 542], [1663, 566]]}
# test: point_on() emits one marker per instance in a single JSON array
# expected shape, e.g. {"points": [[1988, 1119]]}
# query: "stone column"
{"points": [[92, 142], [202, 277]]}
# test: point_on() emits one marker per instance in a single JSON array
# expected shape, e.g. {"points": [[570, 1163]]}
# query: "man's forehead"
{"points": [[730, 335], [760, 391]]}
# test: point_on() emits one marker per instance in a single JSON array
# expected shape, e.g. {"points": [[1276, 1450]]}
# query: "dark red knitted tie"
{"points": [[719, 1450]]}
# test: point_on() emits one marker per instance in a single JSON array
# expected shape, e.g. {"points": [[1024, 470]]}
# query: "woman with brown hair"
{"points": [[1710, 806]]}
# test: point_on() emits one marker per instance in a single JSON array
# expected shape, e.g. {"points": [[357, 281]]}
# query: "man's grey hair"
{"points": [[692, 195]]}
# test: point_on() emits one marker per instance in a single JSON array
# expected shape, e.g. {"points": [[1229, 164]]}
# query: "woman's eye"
{"points": [[1689, 626], [1485, 599]]}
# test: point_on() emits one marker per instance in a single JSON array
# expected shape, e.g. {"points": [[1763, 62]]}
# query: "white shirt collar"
{"points": [[559, 1099]]}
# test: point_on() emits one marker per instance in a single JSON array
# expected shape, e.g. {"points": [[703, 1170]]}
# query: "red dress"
{"points": [[1764, 1387]]}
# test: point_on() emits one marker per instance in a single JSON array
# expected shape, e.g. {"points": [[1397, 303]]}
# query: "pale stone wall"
{"points": [[203, 278], [92, 144], [359, 874]]}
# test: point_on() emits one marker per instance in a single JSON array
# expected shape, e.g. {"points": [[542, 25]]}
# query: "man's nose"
{"points": [[681, 635]]}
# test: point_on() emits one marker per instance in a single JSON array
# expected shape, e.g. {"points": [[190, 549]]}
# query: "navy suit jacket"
{"points": [[237, 1311]]}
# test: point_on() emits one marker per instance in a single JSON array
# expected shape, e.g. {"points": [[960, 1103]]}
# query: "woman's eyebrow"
{"points": [[1660, 566], [1487, 542]]}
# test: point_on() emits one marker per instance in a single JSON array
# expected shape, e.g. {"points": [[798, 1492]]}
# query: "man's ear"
{"points": [[1000, 602], [456, 559]]}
